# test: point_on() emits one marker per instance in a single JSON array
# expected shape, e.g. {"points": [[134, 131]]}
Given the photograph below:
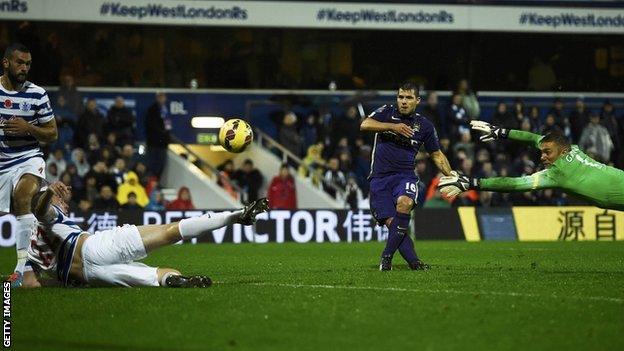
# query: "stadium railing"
{"points": [[239, 193]]}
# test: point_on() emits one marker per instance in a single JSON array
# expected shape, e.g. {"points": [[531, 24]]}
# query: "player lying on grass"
{"points": [[567, 168], [107, 257]]}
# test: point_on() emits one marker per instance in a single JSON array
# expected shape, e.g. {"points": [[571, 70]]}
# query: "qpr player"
{"points": [[399, 134], [26, 120], [108, 257]]}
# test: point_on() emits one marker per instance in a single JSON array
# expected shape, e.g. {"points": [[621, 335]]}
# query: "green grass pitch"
{"points": [[478, 296]]}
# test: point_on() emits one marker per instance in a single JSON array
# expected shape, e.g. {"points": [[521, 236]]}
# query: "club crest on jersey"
{"points": [[416, 127], [25, 106], [8, 103]]}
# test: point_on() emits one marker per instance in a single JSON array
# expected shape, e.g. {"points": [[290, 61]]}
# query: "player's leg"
{"points": [[408, 195], [135, 274], [383, 209], [27, 186], [398, 225], [155, 236]]}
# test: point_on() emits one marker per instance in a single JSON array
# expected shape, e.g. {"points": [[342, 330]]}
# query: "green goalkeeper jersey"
{"points": [[573, 172]]}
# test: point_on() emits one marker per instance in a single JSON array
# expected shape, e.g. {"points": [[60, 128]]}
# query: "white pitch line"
{"points": [[444, 291]]}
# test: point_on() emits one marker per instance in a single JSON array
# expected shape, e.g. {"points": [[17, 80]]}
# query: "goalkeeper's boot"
{"points": [[248, 217], [419, 265], [196, 281], [386, 263], [16, 279]]}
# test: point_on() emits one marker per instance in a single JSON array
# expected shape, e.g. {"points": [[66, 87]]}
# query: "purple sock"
{"points": [[407, 250], [397, 231]]}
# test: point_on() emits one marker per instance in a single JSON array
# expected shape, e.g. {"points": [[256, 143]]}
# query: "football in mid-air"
{"points": [[235, 135]]}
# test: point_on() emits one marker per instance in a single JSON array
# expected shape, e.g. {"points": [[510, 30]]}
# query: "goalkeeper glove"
{"points": [[456, 184], [489, 131]]}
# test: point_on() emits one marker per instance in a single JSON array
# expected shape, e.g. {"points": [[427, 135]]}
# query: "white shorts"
{"points": [[108, 257], [10, 177]]}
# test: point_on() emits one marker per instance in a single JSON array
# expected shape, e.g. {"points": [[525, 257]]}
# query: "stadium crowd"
{"points": [[97, 157]]}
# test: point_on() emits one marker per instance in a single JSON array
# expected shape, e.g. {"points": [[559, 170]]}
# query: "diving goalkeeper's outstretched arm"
{"points": [[492, 132], [538, 180]]}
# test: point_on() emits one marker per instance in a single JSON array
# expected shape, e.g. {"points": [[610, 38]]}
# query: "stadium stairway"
{"points": [[268, 162], [206, 193]]}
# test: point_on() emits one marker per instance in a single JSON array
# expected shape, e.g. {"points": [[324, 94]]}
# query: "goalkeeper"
{"points": [[567, 168]]}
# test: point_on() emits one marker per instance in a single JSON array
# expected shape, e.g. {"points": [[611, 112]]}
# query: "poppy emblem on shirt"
{"points": [[8, 103], [25, 106]]}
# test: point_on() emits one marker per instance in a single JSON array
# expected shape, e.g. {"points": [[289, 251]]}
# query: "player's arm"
{"points": [[454, 185], [491, 132], [45, 133], [370, 124], [441, 162]]}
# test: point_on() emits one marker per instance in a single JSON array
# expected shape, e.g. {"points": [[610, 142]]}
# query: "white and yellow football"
{"points": [[235, 135]]}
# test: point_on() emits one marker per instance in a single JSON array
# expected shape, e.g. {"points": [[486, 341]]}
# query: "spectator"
{"points": [[346, 165], [85, 206], [560, 119], [334, 181], [127, 153], [519, 110], [93, 149], [111, 144], [91, 192], [66, 121], [78, 158], [66, 178], [432, 112], [282, 193], [101, 175], [158, 126], [91, 121], [596, 140], [106, 156], [434, 198], [131, 184], [52, 173], [465, 143], [550, 125], [578, 118], [288, 135], [468, 99], [313, 164], [309, 131], [106, 201], [457, 117], [250, 179], [57, 157], [71, 95], [141, 171], [76, 181], [347, 127], [616, 131], [354, 197], [121, 120], [504, 118], [156, 201], [534, 118], [361, 167], [118, 171], [132, 203], [183, 201]]}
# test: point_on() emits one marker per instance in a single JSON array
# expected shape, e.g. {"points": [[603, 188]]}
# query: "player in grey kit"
{"points": [[399, 134]]}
